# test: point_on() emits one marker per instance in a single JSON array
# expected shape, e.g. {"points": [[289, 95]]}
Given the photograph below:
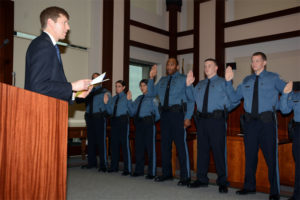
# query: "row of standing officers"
{"points": [[214, 98]]}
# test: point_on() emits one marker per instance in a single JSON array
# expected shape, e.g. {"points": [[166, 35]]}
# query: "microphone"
{"points": [[5, 42]]}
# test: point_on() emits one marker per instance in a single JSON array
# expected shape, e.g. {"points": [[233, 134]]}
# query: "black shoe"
{"points": [[274, 197], [245, 191], [223, 189], [87, 166], [112, 170], [136, 174], [125, 173], [149, 176], [196, 184], [163, 178], [184, 182], [102, 169]]}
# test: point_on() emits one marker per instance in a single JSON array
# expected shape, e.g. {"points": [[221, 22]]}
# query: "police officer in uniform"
{"points": [[117, 107], [260, 93], [145, 112], [176, 112], [96, 126], [291, 101], [212, 106]]}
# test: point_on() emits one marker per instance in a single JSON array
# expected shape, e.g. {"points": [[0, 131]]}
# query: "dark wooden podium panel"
{"points": [[33, 145]]}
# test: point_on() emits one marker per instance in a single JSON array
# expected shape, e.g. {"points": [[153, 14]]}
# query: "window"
{"points": [[138, 70]]}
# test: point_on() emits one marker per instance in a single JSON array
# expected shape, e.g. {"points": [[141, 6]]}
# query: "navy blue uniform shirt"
{"points": [[177, 93], [122, 108], [148, 107], [217, 97], [270, 85], [289, 102]]}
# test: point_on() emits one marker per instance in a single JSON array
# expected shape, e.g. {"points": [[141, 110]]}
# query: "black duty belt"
{"points": [[267, 116], [297, 123], [145, 119], [174, 108], [121, 117], [217, 114], [98, 114]]}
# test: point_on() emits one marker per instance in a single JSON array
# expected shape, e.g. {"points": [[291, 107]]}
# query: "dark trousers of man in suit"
{"points": [[96, 131], [261, 134], [172, 128], [211, 133], [120, 136], [145, 140]]}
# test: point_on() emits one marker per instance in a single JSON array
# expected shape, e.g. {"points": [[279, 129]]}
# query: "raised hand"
{"points": [[153, 71], [129, 95], [288, 87], [190, 78], [105, 98], [229, 74]]}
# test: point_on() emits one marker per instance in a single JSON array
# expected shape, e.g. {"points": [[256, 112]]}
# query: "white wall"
{"points": [[150, 12]]}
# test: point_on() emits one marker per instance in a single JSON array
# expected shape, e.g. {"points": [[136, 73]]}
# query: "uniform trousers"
{"points": [[96, 132], [120, 136], [172, 129], [211, 134], [145, 141], [264, 135]]}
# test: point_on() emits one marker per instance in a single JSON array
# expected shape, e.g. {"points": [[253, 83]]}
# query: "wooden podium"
{"points": [[33, 145]]}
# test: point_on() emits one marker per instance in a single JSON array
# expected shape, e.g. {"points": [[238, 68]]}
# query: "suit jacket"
{"points": [[44, 72]]}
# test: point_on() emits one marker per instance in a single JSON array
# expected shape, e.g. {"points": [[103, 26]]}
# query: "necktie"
{"points": [[166, 99], [139, 107], [254, 109], [116, 106], [57, 52], [205, 100]]}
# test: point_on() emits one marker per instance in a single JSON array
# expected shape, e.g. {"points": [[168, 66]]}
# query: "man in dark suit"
{"points": [[44, 70]]}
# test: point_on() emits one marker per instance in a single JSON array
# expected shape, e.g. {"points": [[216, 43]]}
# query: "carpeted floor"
{"points": [[90, 184]]}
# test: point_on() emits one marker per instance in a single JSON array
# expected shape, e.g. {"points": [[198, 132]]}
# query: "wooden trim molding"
{"points": [[185, 33], [107, 52], [196, 40], [185, 51], [148, 27], [220, 36], [126, 52], [263, 17], [267, 38], [148, 47]]}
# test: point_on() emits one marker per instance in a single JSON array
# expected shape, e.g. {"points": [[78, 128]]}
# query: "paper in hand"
{"points": [[99, 79]]}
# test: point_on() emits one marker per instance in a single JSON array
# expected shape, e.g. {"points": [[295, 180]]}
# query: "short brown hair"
{"points": [[212, 60], [261, 54], [51, 13]]}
